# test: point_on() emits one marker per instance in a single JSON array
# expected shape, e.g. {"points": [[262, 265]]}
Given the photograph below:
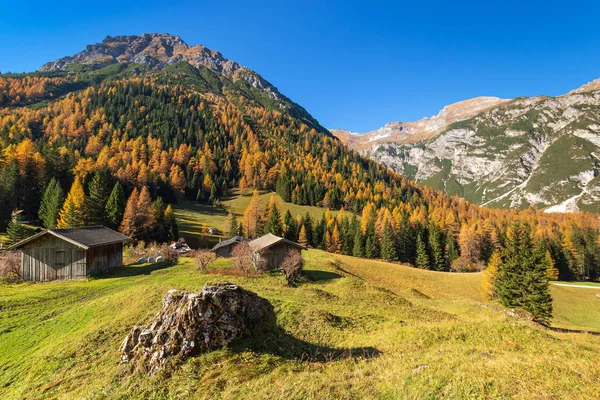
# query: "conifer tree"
{"points": [[72, 213], [348, 234], [372, 241], [51, 203], [405, 242], [358, 250], [336, 240], [451, 252], [422, 256], [437, 248], [16, 230], [145, 220], [115, 206], [172, 230], [273, 218], [488, 288], [551, 269], [388, 244], [251, 221], [290, 226], [308, 226], [522, 281], [98, 194], [129, 225], [302, 239]]}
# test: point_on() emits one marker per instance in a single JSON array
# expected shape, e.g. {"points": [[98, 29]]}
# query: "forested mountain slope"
{"points": [[185, 122]]}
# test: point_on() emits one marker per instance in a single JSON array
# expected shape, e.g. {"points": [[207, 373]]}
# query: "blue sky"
{"points": [[353, 65]]}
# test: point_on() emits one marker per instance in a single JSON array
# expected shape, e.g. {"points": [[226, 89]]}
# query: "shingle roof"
{"points": [[268, 240], [229, 242], [86, 237]]}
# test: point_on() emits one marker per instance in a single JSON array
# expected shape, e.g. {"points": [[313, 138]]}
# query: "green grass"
{"points": [[576, 308], [193, 217], [378, 321]]}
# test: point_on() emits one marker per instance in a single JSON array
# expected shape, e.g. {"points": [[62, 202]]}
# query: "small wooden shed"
{"points": [[273, 249], [72, 253], [224, 248]]}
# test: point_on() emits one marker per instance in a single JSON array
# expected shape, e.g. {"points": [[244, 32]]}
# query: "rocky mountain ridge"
{"points": [[540, 151], [157, 51]]}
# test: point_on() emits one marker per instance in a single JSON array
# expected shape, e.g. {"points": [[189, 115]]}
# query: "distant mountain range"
{"points": [[540, 151]]}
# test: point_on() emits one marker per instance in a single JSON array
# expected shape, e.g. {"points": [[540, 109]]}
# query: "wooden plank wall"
{"points": [[275, 255], [102, 258], [50, 258]]}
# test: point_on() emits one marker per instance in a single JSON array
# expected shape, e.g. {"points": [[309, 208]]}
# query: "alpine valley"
{"points": [[540, 151]]}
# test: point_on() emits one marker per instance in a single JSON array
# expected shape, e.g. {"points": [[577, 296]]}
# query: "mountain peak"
{"points": [[155, 50]]}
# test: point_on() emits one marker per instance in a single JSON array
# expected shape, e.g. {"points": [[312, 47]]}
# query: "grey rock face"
{"points": [[192, 323]]}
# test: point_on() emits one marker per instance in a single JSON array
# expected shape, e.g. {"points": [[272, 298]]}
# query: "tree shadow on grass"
{"points": [[321, 275], [566, 330], [282, 344], [132, 270]]}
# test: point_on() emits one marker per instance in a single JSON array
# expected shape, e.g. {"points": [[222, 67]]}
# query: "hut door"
{"points": [[79, 264]]}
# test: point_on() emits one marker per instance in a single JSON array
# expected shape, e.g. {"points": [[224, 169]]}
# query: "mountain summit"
{"points": [[157, 51]]}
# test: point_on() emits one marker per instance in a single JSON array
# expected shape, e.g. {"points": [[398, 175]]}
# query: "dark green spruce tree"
{"points": [[372, 242], [422, 256], [388, 244], [273, 224], [358, 250], [115, 206], [522, 281], [99, 191], [51, 204], [437, 248], [16, 230]]}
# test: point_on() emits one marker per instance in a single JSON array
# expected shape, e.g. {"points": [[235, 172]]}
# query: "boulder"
{"points": [[192, 323]]}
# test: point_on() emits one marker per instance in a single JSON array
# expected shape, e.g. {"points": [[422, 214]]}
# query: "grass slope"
{"points": [[193, 217], [355, 329]]}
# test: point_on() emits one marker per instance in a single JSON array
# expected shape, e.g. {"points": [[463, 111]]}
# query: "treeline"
{"points": [[407, 236], [103, 203], [176, 140]]}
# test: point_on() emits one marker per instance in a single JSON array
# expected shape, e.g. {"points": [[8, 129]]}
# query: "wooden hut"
{"points": [[273, 249], [71, 253], [224, 248]]}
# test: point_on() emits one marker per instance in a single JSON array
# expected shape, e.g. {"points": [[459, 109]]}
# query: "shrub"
{"points": [[292, 266], [204, 258], [10, 267], [463, 264], [246, 261]]}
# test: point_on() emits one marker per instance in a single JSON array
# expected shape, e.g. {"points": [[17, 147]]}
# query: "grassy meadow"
{"points": [[354, 328], [194, 218]]}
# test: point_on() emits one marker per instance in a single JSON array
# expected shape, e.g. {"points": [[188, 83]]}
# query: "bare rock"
{"points": [[192, 323]]}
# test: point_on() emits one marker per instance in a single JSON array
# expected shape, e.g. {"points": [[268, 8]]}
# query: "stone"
{"points": [[193, 323]]}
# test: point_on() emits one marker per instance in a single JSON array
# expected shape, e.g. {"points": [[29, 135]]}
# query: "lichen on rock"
{"points": [[193, 323]]}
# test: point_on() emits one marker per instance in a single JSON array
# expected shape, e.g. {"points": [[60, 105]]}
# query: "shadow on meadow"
{"points": [[132, 270], [282, 344], [566, 330]]}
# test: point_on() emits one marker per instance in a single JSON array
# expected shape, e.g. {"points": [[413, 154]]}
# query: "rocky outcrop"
{"points": [[192, 323], [540, 151]]}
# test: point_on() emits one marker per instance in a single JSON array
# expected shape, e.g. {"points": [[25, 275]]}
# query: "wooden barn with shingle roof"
{"points": [[273, 249], [71, 253]]}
